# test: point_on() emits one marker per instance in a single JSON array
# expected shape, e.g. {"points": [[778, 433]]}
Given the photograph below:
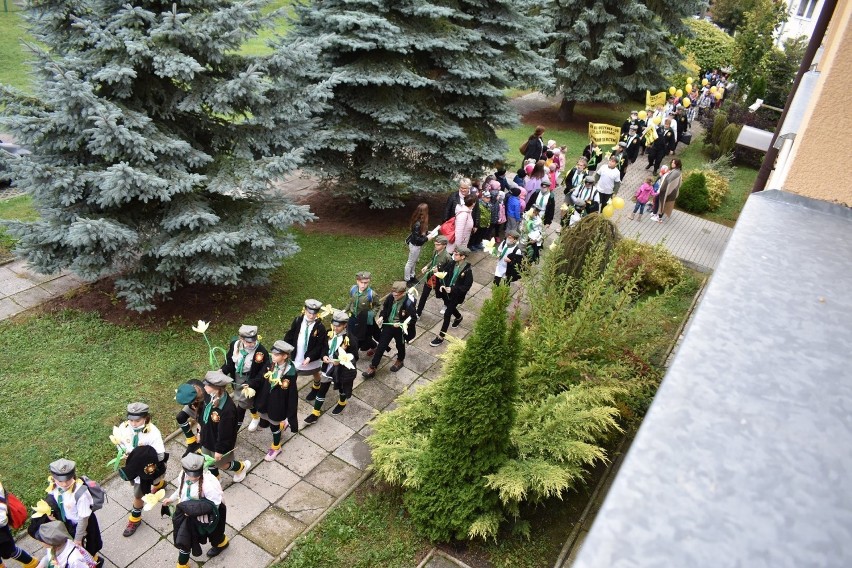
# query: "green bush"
{"points": [[729, 139], [717, 188], [659, 268], [576, 242], [711, 47], [693, 196], [720, 122]]}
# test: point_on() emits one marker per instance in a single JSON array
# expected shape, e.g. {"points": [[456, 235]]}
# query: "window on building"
{"points": [[806, 8]]}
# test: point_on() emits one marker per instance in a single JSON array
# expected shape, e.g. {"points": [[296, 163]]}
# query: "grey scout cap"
{"points": [[282, 346], [192, 463], [63, 469], [53, 533], [464, 251], [363, 275], [441, 240], [339, 316], [248, 331], [312, 305], [137, 410], [217, 379]]}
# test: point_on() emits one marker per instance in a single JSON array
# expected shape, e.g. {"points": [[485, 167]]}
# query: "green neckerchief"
{"points": [[209, 406], [188, 489], [505, 250], [395, 309], [308, 325], [241, 365], [333, 346], [542, 203], [59, 503], [136, 435], [357, 295], [457, 271]]}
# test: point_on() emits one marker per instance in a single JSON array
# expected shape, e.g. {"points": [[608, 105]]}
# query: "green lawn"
{"points": [[18, 208], [14, 61], [72, 373]]}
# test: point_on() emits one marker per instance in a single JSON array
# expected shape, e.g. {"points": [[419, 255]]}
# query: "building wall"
{"points": [[796, 25], [819, 158]]}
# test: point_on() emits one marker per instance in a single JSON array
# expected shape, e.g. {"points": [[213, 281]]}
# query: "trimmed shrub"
{"points": [[576, 242], [693, 196], [660, 269], [720, 122], [729, 139], [717, 188]]}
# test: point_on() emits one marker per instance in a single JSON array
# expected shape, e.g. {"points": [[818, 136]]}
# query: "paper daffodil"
{"points": [[201, 327], [152, 499], [564, 207], [42, 509], [440, 274], [489, 246], [326, 311], [552, 246], [249, 392], [404, 325], [413, 293], [345, 358], [115, 437]]}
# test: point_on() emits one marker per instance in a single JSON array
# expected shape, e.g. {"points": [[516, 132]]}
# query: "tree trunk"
{"points": [[566, 110]]}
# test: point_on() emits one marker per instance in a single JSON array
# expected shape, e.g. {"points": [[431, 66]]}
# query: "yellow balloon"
{"points": [[617, 202], [689, 80], [679, 93], [643, 115], [718, 96], [704, 82], [686, 103], [608, 211], [713, 89], [657, 119], [672, 90]]}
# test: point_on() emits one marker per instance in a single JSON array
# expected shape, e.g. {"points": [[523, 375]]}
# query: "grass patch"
{"points": [[575, 141], [694, 157], [15, 63], [73, 373], [257, 46], [18, 208], [370, 528]]}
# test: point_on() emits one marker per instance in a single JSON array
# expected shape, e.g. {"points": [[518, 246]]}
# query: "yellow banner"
{"points": [[604, 133], [653, 101]]}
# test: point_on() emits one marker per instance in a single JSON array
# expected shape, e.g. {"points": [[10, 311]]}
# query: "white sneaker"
{"points": [[240, 475], [253, 424]]}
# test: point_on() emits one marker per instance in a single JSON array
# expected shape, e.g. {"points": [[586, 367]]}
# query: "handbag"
{"points": [[523, 147], [448, 229], [686, 138]]}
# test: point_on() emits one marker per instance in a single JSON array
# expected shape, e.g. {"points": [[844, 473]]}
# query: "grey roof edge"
{"points": [[744, 457]]}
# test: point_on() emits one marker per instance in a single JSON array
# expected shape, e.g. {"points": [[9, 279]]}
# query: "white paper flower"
{"points": [[404, 325], [552, 246], [413, 293], [201, 327], [345, 358], [440, 274], [489, 246], [249, 392], [564, 207]]}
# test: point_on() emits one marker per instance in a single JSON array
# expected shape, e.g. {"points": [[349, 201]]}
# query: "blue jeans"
{"points": [[639, 208]]}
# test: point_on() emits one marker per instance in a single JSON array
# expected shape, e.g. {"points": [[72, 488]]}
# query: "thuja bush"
{"points": [[576, 241], [693, 196], [658, 268]]}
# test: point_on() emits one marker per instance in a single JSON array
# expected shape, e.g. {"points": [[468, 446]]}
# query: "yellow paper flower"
{"points": [[42, 509], [345, 358], [440, 274], [326, 311], [552, 246], [152, 499], [115, 437], [201, 327], [267, 375], [564, 207], [249, 392]]}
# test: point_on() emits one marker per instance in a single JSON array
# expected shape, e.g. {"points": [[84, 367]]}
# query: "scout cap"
{"points": [[632, 127], [185, 394], [590, 179], [536, 206], [217, 379], [464, 251], [53, 533], [137, 410], [312, 306], [282, 346], [339, 316], [248, 331], [545, 182], [441, 240], [514, 234], [63, 470], [192, 463], [399, 287], [363, 275], [636, 112]]}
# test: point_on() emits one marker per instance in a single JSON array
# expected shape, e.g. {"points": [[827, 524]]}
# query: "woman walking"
{"points": [[419, 227], [669, 189]]}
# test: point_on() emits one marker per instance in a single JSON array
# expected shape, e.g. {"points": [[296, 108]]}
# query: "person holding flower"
{"points": [[307, 335], [245, 362], [339, 363], [456, 283], [396, 320], [219, 427], [360, 309], [509, 256], [439, 258], [191, 395], [278, 396], [62, 552]]}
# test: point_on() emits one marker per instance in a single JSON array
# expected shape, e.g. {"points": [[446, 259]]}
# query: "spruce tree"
{"points": [[418, 89], [469, 438], [155, 144], [609, 50]]}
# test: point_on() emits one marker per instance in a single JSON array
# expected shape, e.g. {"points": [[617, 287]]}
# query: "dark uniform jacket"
{"points": [[407, 310], [279, 402], [459, 290], [569, 179], [549, 209], [316, 341], [514, 254], [188, 532], [340, 373], [633, 145], [92, 542], [360, 318], [219, 431], [256, 365]]}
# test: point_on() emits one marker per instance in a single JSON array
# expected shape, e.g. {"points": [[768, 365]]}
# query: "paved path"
{"points": [[20, 288], [278, 501]]}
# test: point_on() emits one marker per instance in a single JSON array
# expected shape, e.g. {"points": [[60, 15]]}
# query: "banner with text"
{"points": [[604, 133], [653, 101]]}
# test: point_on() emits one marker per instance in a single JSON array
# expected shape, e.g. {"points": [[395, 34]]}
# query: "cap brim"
{"points": [[64, 476]]}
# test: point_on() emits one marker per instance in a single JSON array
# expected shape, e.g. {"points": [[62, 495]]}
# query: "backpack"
{"points": [[448, 229], [17, 511], [354, 289], [523, 147], [484, 215], [96, 491]]}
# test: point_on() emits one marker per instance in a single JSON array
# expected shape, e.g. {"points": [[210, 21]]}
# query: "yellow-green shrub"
{"points": [[660, 268], [717, 188]]}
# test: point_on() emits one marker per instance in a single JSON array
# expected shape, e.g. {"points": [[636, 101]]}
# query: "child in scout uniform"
{"points": [[278, 396], [509, 256], [137, 434], [360, 309], [456, 284], [200, 514], [397, 307], [8, 549], [191, 395], [246, 362], [307, 336], [70, 503], [439, 258], [531, 235], [219, 426], [62, 552], [341, 375]]}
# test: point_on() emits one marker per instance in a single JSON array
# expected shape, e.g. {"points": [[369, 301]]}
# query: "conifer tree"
{"points": [[609, 50], [154, 144], [418, 89]]}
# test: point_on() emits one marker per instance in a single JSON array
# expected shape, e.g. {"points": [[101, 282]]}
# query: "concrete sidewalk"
{"points": [[21, 288]]}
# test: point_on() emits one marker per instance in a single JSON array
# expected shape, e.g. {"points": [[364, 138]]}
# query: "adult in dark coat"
{"points": [[456, 284], [455, 199], [549, 204], [535, 145], [362, 303], [397, 307]]}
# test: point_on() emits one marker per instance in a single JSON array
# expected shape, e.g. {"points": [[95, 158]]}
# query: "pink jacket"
{"points": [[644, 193], [464, 225]]}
